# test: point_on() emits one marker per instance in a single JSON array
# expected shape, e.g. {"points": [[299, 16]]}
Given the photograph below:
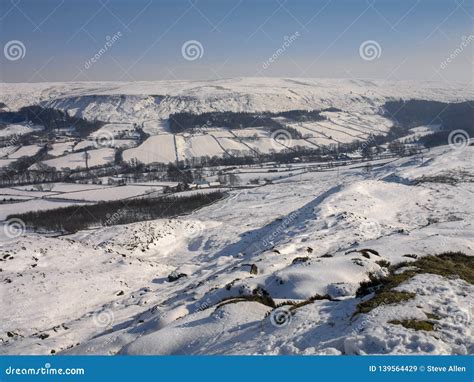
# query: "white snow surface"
{"points": [[106, 291], [129, 101]]}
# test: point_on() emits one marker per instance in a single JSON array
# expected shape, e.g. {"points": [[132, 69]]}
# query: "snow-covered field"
{"points": [[157, 148], [166, 148], [17, 129], [11, 154], [233, 145], [155, 127], [265, 145], [77, 160], [110, 193], [106, 291], [126, 107], [54, 195], [114, 129], [199, 145], [23, 151], [60, 148]]}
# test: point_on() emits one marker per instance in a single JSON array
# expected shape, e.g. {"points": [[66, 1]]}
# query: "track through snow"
{"points": [[107, 291]]}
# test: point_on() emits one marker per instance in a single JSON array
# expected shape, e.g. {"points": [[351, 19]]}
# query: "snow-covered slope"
{"points": [[129, 106], [141, 101], [300, 239]]}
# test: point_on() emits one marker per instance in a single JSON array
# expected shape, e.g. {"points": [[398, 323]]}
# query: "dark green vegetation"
{"points": [[385, 296], [51, 119], [383, 263], [75, 218], [414, 324], [432, 316], [451, 178], [181, 122], [449, 264], [450, 116], [415, 112]]}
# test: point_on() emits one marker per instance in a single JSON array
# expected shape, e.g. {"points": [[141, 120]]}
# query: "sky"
{"points": [[150, 40]]}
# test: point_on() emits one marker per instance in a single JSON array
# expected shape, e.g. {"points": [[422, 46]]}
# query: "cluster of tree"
{"points": [[175, 174], [440, 138], [74, 218], [182, 122], [18, 173], [412, 113], [10, 178], [142, 136], [20, 166], [451, 116], [51, 119], [302, 115], [186, 122]]}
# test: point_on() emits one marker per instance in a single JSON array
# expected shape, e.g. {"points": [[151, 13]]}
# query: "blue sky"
{"points": [[412, 39]]}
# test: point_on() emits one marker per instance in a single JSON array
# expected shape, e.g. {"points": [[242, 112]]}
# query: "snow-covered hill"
{"points": [[205, 283], [274, 268], [147, 106], [141, 101]]}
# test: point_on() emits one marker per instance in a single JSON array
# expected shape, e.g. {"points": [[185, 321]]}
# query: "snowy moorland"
{"points": [[112, 101], [331, 225], [274, 269]]}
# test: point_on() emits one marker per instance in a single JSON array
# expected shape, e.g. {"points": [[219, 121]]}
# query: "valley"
{"points": [[240, 216]]}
